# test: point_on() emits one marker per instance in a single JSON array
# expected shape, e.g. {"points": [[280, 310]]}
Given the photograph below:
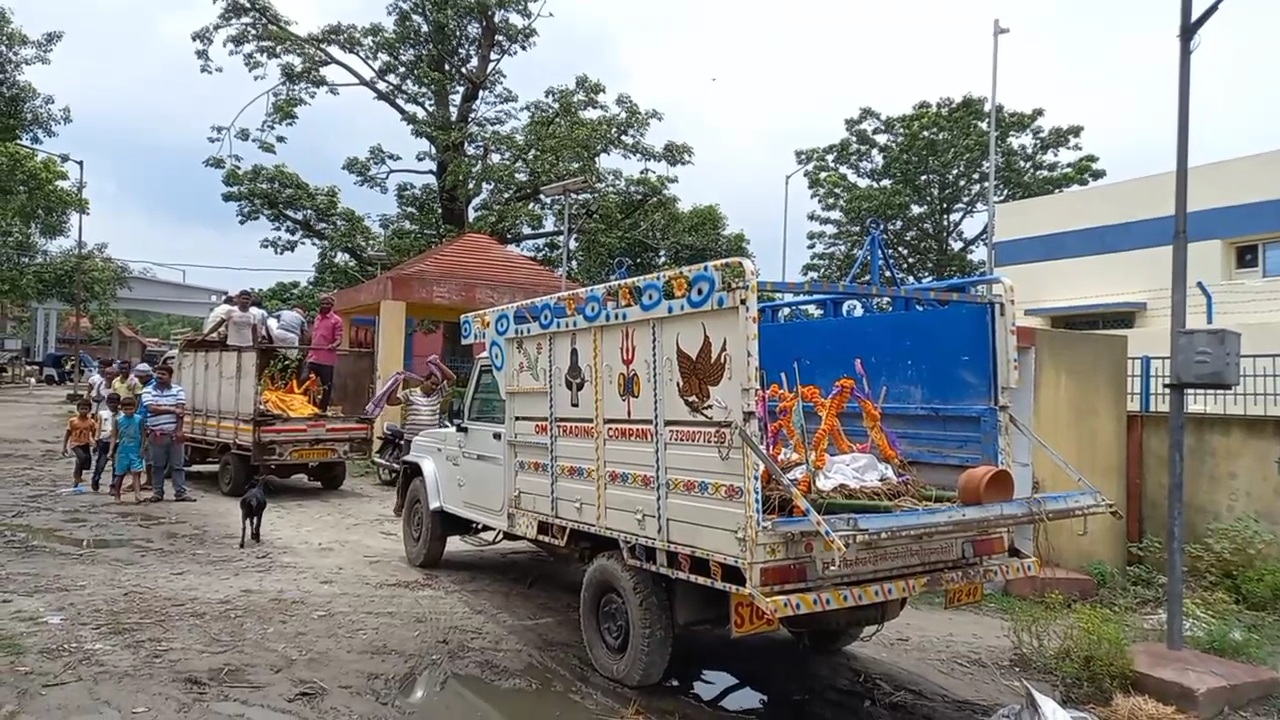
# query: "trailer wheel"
{"points": [[827, 641], [330, 475], [626, 621], [234, 474], [421, 528]]}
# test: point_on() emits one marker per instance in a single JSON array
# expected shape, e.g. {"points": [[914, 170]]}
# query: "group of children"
{"points": [[114, 435]]}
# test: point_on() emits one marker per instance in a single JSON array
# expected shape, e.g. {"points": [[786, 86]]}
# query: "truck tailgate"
{"points": [[975, 519], [319, 430]]}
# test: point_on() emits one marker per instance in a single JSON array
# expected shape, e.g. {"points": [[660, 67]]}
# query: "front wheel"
{"points": [[626, 621], [421, 528], [392, 454]]}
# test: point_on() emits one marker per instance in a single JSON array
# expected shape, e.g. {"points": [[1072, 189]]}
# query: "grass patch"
{"points": [[10, 646], [1232, 610]]}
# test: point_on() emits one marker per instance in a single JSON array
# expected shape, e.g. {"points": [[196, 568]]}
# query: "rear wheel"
{"points": [[387, 476], [331, 476], [626, 621], [234, 474], [421, 528]]}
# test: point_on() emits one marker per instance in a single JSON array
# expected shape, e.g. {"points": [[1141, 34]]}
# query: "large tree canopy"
{"points": [[924, 174], [479, 154], [38, 198]]}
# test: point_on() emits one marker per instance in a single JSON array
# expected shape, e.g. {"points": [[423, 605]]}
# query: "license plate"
{"points": [[748, 618], [313, 454], [961, 595]]}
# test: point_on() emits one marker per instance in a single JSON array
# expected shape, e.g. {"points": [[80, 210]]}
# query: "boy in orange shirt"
{"points": [[82, 431]]}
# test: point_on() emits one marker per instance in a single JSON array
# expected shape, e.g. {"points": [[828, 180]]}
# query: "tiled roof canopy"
{"points": [[469, 272]]}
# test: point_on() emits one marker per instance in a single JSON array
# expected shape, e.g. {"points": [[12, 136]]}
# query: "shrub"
{"points": [[1082, 647]]}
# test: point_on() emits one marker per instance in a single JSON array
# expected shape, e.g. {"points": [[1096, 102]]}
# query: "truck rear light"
{"points": [[985, 547], [784, 574]]}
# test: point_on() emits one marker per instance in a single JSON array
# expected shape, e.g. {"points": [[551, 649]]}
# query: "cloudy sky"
{"points": [[744, 83]]}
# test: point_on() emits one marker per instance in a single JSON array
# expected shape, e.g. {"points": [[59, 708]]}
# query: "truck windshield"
{"points": [[487, 405]]}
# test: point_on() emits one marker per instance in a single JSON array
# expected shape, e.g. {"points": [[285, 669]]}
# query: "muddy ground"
{"points": [[116, 610]]}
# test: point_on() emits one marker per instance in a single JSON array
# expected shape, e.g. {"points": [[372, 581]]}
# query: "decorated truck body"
{"points": [[231, 419], [716, 461]]}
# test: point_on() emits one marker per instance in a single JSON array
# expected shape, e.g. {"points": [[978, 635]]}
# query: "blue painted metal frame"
{"points": [[931, 517], [933, 351]]}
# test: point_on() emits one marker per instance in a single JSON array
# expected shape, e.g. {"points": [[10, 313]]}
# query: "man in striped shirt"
{"points": [[166, 405]]}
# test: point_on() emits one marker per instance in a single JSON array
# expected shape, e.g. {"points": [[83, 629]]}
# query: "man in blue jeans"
{"points": [[166, 406]]}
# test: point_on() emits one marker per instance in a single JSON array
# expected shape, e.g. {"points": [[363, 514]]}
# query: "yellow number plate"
{"points": [[961, 595], [313, 454], [747, 618]]}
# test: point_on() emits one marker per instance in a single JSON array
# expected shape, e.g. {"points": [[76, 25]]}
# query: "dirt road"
{"points": [[116, 611]]}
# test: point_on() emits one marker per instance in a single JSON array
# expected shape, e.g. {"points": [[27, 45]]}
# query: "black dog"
{"points": [[252, 505]]}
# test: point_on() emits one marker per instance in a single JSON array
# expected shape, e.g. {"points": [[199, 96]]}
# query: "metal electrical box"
{"points": [[1207, 359]]}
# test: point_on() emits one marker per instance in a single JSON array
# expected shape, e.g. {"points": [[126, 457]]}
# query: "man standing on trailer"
{"points": [[326, 338], [291, 325]]}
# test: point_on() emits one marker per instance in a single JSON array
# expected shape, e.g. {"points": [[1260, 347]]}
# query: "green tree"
{"points": [[38, 199], [479, 154], [288, 293], [924, 174]]}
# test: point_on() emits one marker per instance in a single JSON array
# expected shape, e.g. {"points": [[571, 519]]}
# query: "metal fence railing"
{"points": [[1258, 393]]}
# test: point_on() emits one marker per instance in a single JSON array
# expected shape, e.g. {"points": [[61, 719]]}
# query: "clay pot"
{"points": [[984, 485]]}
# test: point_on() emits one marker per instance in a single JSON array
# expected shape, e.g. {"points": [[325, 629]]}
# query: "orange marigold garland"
{"points": [[794, 450]]}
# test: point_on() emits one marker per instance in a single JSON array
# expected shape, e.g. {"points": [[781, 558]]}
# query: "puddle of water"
{"points": [[721, 691], [463, 696], [46, 536]]}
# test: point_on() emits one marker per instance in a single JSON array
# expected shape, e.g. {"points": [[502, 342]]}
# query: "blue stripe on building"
{"points": [[1221, 223]]}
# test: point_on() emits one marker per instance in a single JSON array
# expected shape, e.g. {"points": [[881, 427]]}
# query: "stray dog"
{"points": [[252, 505]]}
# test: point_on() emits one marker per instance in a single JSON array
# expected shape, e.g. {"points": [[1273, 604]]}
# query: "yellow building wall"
{"points": [[1080, 412], [1230, 471]]}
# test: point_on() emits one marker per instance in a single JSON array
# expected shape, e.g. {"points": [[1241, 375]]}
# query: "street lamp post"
{"points": [[79, 282], [566, 188], [996, 32], [1188, 28], [786, 208]]}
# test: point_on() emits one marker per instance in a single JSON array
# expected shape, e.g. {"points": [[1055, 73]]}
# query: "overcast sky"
{"points": [[745, 83]]}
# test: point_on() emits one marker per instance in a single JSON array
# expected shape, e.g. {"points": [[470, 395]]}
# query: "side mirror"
{"points": [[455, 413]]}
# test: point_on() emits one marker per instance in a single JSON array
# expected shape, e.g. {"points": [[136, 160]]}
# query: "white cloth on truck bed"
{"points": [[853, 470]]}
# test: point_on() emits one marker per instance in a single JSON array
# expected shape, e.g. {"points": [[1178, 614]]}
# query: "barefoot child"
{"points": [[82, 431], [126, 447]]}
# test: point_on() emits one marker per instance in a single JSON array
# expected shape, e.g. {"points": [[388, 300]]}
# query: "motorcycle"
{"points": [[391, 448]]}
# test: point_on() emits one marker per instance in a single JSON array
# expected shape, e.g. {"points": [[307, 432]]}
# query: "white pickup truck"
{"points": [[627, 426]]}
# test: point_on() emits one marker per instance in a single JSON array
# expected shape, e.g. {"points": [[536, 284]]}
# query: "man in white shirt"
{"points": [[260, 316], [219, 313], [242, 326]]}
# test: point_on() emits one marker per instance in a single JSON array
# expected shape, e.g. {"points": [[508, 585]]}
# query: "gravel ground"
{"points": [[111, 610]]}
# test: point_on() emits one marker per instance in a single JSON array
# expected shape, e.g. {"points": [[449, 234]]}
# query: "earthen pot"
{"points": [[984, 485]]}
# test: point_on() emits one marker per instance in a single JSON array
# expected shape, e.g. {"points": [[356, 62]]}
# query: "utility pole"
{"points": [[996, 32], [566, 188], [79, 263], [1188, 28], [786, 207], [75, 380]]}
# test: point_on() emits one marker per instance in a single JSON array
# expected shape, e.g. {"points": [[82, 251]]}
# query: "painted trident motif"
{"points": [[628, 379]]}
